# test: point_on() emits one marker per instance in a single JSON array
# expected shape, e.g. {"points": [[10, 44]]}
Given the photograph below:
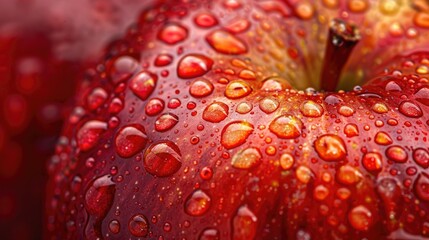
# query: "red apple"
{"points": [[222, 120]]}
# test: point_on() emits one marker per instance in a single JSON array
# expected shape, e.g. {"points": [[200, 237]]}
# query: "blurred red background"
{"points": [[44, 47]]}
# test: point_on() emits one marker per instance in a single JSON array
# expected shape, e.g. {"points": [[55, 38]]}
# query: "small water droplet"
{"points": [[209, 234], [287, 161], [238, 26], [114, 226], [397, 154], [123, 68], [154, 106], [205, 20], [268, 105], [244, 108], [361, 218], [348, 175], [422, 95], [311, 109], [351, 130], [421, 157], [163, 60], [96, 98], [372, 161], [99, 196], [421, 186], [383, 138]]}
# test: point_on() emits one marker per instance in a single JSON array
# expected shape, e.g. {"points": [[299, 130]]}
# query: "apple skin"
{"points": [[189, 127]]}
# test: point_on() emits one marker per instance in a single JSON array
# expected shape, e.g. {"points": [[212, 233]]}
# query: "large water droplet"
{"points": [[173, 33], [216, 112], [99, 196], [209, 234], [372, 161], [397, 154], [130, 140], [422, 95], [143, 84], [205, 20], [198, 203], [421, 186], [201, 88], [311, 109], [247, 158], [330, 147], [361, 218], [244, 224], [194, 65], [89, 134], [286, 126], [348, 175], [410, 109], [383, 138], [421, 157], [138, 225], [123, 68], [166, 122], [235, 133], [162, 159], [96, 98], [237, 89], [225, 42]]}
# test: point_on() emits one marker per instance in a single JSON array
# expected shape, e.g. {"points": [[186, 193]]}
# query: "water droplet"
{"points": [[116, 106], [358, 6], [320, 192], [194, 65], [346, 111], [237, 89], [247, 74], [130, 140], [421, 157], [410, 109], [89, 134], [422, 95], [383, 138], [287, 161], [421, 186], [247, 158], [372, 161], [333, 99], [226, 43], [198, 203], [143, 84], [123, 68], [304, 10], [216, 112], [138, 225], [201, 88], [209, 234], [114, 226], [174, 103], [166, 122], [392, 86], [397, 154], [206, 173], [421, 19], [304, 174], [348, 175], [330, 147], [351, 130], [99, 196], [238, 26], [268, 105], [311, 109], [361, 218], [163, 60], [205, 20], [235, 133], [286, 126], [244, 108], [390, 7], [154, 106], [380, 108], [244, 224], [275, 84], [162, 159], [96, 98], [173, 33]]}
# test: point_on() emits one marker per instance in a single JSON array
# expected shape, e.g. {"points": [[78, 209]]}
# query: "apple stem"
{"points": [[343, 37]]}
